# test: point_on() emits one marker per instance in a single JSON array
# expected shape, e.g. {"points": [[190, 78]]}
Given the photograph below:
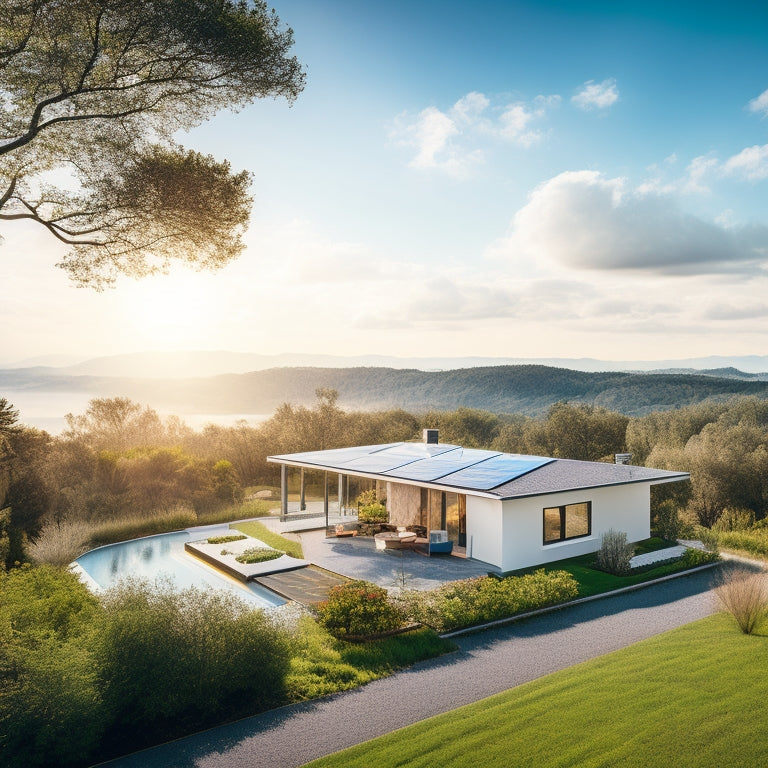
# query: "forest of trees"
{"points": [[121, 459]]}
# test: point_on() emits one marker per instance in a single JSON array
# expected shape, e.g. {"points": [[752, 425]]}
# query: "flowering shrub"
{"points": [[259, 555], [475, 601], [358, 608]]}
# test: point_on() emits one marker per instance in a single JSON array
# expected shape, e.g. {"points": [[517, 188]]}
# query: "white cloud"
{"points": [[585, 221], [596, 95], [760, 103], [451, 140], [751, 163]]}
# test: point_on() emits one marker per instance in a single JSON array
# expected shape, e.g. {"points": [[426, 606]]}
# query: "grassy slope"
{"points": [[275, 540], [693, 697]]}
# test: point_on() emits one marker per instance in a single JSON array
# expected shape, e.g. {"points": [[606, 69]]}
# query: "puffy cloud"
{"points": [[583, 220], [760, 103], [448, 140], [751, 162], [596, 95]]}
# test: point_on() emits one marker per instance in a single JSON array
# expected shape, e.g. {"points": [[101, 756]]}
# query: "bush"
{"points": [[373, 513], [755, 542], [50, 705], [615, 553], [694, 557], [708, 538], [259, 555], [358, 609], [668, 523], [744, 595], [476, 601], [225, 539], [172, 661], [734, 520]]}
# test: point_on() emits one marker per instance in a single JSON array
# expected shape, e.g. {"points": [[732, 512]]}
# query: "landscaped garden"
{"points": [[695, 696]]}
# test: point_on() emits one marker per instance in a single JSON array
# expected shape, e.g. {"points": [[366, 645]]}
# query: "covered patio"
{"points": [[358, 558]]}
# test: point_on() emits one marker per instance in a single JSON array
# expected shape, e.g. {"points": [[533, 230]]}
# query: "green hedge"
{"points": [[476, 601], [225, 539]]}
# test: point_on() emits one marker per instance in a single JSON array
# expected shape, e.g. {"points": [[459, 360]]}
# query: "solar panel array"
{"points": [[447, 464]]}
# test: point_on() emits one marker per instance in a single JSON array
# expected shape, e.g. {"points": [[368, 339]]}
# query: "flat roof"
{"points": [[473, 470]]}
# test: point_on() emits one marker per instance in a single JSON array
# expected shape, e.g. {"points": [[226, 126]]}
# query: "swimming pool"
{"points": [[161, 556]]}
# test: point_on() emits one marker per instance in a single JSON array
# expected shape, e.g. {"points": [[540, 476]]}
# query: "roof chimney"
{"points": [[622, 458], [430, 436]]}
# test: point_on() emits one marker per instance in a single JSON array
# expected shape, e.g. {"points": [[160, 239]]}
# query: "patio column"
{"points": [[302, 500], [341, 492], [283, 491], [325, 497]]}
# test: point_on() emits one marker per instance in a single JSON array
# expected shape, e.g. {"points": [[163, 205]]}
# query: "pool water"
{"points": [[163, 556]]}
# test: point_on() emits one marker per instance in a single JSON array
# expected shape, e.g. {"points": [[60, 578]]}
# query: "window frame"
{"points": [[563, 509]]}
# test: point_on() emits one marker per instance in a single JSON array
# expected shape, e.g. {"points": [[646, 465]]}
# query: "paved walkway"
{"points": [[486, 663]]}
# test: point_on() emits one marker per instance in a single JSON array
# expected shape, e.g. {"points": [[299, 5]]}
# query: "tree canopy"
{"points": [[93, 92]]}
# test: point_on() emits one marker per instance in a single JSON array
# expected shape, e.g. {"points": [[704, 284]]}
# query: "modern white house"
{"points": [[508, 510]]}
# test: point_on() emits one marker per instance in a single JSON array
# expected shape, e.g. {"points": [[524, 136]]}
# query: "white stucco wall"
{"points": [[622, 507], [484, 527]]}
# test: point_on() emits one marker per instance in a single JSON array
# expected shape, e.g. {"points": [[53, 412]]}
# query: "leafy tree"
{"points": [[116, 424], [97, 89], [28, 493]]}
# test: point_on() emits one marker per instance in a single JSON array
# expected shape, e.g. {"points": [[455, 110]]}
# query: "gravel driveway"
{"points": [[486, 663]]}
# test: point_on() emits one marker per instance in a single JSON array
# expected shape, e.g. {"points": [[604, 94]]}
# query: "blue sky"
{"points": [[497, 178]]}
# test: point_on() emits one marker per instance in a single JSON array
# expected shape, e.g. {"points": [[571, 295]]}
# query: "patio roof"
{"points": [[472, 470]]}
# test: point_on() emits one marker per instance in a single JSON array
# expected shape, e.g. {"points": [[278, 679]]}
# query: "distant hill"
{"points": [[528, 389], [196, 363]]}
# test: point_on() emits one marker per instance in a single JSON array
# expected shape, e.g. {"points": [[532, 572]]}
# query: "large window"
{"points": [[569, 521]]}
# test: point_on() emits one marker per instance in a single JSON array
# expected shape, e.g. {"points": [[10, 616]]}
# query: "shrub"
{"points": [[225, 539], [668, 522], [708, 538], [755, 541], [744, 595], [358, 608], [614, 553], [172, 660], [50, 706], [60, 543], [373, 513], [259, 555], [475, 601], [694, 557], [734, 520]]}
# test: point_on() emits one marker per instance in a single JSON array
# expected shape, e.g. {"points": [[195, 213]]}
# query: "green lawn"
{"points": [[693, 697], [275, 540], [593, 581]]}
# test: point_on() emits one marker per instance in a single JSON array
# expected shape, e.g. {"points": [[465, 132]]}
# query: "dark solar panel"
{"points": [[445, 464], [495, 471]]}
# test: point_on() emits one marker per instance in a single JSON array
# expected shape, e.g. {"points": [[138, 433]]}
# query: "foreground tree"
{"points": [[98, 88]]}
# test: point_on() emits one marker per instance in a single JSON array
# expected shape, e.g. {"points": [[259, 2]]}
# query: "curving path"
{"points": [[486, 663]]}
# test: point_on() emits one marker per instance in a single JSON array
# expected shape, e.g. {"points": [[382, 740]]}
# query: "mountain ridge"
{"points": [[528, 389]]}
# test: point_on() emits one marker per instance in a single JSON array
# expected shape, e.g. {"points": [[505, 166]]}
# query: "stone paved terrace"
{"points": [[358, 558]]}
